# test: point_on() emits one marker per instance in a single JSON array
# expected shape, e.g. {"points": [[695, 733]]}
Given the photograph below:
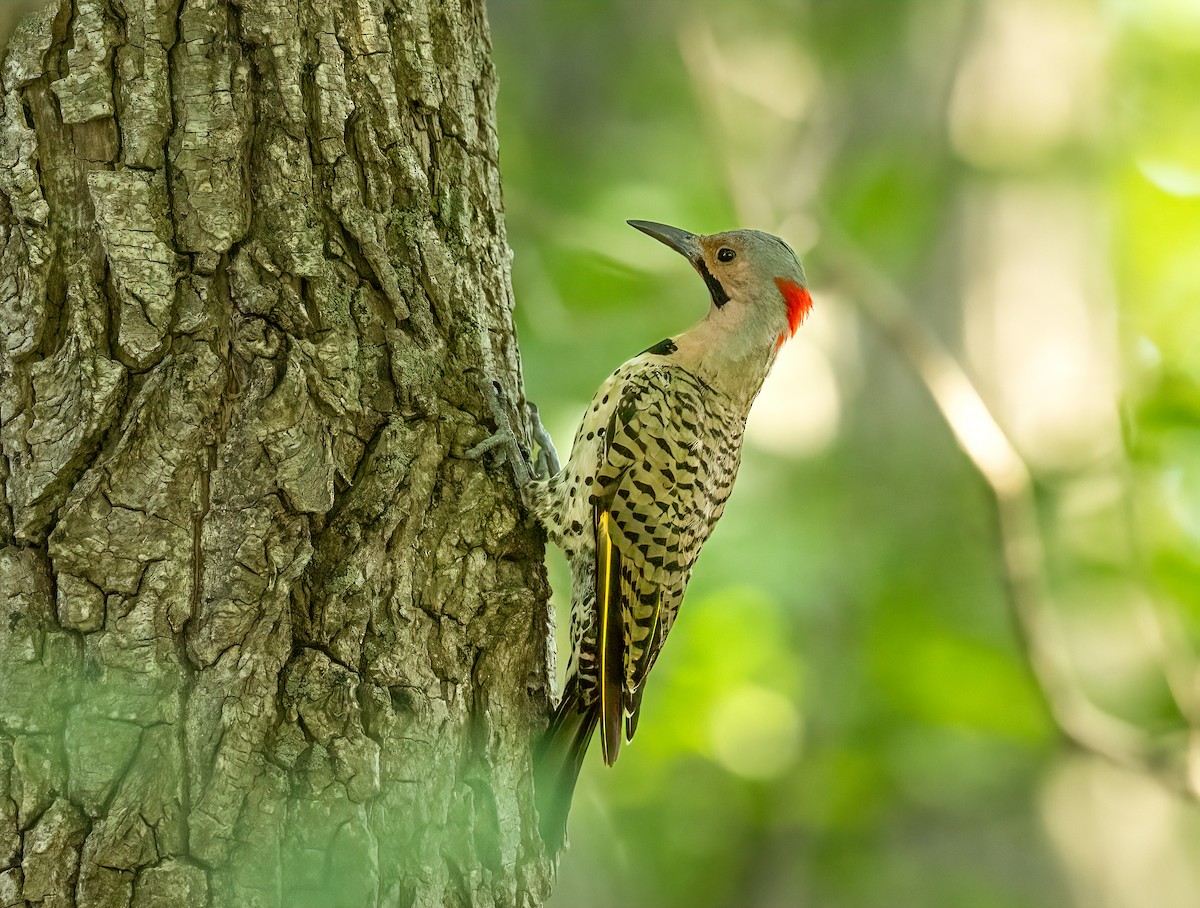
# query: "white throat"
{"points": [[729, 353]]}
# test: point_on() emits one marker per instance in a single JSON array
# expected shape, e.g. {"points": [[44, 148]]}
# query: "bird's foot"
{"points": [[504, 439], [546, 464], [508, 444]]}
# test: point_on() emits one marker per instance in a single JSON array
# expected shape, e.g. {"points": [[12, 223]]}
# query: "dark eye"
{"points": [[725, 254]]}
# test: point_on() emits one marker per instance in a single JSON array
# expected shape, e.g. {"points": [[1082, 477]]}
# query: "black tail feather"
{"points": [[557, 762]]}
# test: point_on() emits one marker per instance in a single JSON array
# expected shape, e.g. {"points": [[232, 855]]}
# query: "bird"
{"points": [[647, 479]]}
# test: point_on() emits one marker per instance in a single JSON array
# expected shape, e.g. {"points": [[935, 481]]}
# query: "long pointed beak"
{"points": [[686, 244]]}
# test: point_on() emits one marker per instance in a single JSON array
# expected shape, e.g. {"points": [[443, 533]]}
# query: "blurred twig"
{"points": [[991, 451], [698, 47], [1174, 760]]}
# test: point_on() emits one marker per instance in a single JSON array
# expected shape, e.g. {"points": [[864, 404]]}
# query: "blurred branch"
{"points": [[1172, 759], [702, 59]]}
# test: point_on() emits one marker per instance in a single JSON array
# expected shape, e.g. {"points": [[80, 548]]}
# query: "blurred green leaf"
{"points": [[843, 715]]}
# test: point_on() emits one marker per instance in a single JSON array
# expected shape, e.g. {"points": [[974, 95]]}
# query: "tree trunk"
{"points": [[266, 638]]}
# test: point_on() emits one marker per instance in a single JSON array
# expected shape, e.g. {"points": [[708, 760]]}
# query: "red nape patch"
{"points": [[798, 302]]}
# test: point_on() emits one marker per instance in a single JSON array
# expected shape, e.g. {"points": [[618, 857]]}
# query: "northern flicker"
{"points": [[650, 470]]}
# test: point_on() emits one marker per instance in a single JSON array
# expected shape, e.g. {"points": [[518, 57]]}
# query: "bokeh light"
{"points": [[965, 528]]}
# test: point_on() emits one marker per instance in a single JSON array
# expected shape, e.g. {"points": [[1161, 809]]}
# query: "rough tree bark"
{"points": [[266, 639]]}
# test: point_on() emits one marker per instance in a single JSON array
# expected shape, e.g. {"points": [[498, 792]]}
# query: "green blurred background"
{"points": [[999, 196]]}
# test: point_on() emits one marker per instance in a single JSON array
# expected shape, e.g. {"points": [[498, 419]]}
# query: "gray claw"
{"points": [[504, 437], [488, 444], [547, 459]]}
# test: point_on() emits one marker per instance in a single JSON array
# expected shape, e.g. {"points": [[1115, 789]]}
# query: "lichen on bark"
{"points": [[267, 638]]}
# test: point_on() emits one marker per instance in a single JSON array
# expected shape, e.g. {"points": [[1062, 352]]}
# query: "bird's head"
{"points": [[755, 280]]}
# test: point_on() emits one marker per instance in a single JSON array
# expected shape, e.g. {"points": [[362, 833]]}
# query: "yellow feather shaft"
{"points": [[653, 628], [603, 675]]}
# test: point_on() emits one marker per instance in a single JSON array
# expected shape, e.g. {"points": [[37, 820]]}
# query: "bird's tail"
{"points": [[557, 762]]}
